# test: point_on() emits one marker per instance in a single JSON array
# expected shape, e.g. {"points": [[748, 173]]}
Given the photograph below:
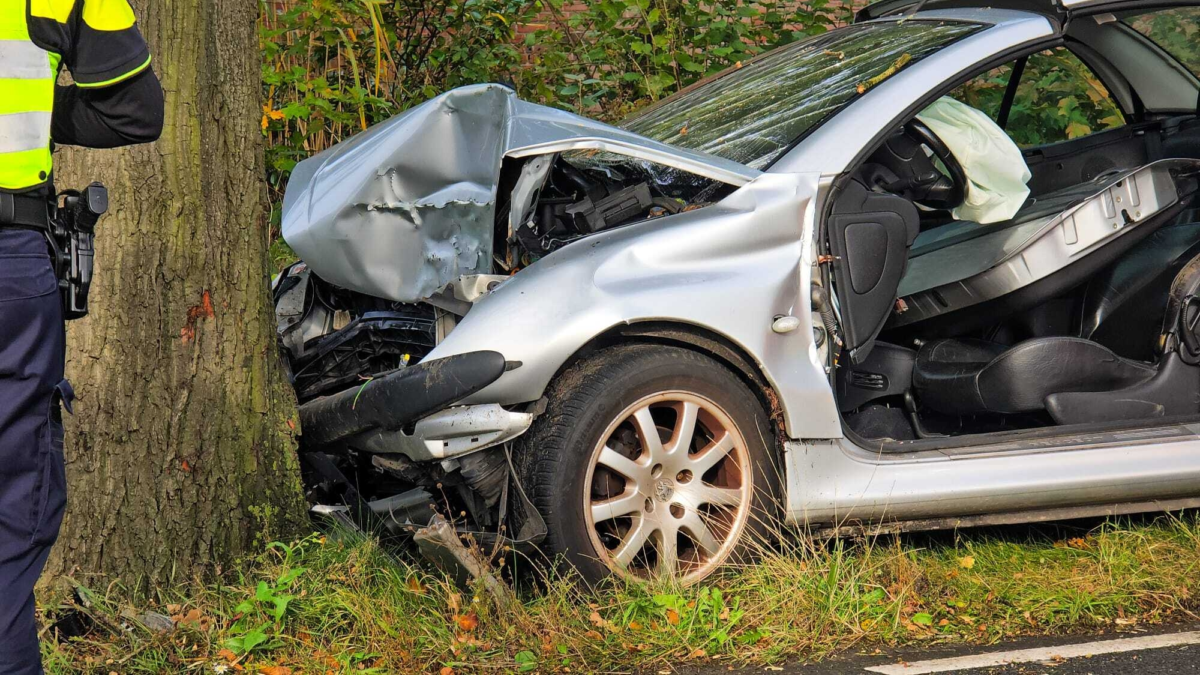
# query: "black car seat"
{"points": [[1123, 305], [1075, 380]]}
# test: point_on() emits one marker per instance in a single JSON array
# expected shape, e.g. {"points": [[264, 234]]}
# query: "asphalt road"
{"points": [[1167, 651]]}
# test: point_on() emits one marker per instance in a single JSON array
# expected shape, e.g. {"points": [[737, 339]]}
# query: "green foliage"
{"points": [[1177, 30], [262, 614], [332, 68], [618, 55], [1058, 99]]}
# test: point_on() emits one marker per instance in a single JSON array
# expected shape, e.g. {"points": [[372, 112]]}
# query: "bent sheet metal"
{"points": [[408, 206]]}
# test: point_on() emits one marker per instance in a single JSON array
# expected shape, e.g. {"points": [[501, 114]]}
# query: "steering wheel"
{"points": [[937, 190]]}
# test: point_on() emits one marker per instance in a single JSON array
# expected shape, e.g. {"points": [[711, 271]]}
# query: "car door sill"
{"points": [[1073, 437], [845, 529]]}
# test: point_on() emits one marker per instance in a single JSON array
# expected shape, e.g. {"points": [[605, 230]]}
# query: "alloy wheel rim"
{"points": [[668, 488]]}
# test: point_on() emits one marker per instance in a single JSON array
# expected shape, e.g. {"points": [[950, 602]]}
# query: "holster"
{"points": [[73, 242], [69, 224]]}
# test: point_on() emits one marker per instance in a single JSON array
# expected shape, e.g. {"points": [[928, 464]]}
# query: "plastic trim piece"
{"points": [[450, 433]]}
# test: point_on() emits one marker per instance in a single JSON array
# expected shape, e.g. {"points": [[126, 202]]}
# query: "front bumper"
{"points": [[390, 402]]}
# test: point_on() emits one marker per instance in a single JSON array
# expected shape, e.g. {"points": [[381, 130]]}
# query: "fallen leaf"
{"points": [[274, 670], [672, 617], [698, 654], [227, 655], [446, 670], [593, 635], [468, 622]]}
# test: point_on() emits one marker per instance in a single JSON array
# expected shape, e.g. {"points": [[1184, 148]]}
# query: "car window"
{"points": [[752, 114], [986, 92], [1058, 99], [1176, 30]]}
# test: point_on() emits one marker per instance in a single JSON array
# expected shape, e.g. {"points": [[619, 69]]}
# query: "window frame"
{"points": [[1018, 73]]}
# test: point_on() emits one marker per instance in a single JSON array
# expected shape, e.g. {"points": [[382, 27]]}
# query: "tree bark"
{"points": [[181, 453]]}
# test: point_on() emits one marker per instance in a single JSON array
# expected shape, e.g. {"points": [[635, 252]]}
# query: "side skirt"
{"points": [[834, 483], [1018, 517]]}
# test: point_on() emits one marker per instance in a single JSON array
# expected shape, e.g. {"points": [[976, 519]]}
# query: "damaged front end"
{"points": [[402, 230], [383, 444]]}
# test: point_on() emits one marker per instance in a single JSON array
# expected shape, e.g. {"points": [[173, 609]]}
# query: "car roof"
{"points": [[1053, 8]]}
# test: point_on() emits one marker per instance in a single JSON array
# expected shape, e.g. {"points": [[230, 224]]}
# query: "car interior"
{"points": [[1080, 306]]}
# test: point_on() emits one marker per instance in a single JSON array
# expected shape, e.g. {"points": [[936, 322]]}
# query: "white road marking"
{"points": [[1038, 654]]}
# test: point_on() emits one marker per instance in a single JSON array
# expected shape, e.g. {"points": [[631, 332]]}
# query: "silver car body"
{"points": [[732, 269]]}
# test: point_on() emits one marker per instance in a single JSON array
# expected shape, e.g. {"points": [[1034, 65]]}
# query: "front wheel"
{"points": [[651, 461]]}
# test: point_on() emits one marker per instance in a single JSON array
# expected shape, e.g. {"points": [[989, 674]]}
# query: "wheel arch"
{"points": [[698, 339]]}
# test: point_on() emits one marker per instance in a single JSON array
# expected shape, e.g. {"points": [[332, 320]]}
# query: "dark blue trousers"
{"points": [[33, 489]]}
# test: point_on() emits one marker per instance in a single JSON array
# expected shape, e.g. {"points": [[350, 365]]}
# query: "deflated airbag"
{"points": [[996, 170]]}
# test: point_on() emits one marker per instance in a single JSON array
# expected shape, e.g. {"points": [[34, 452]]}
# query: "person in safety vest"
{"points": [[115, 100]]}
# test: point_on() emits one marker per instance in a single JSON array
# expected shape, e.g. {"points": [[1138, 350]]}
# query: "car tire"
{"points": [[594, 421]]}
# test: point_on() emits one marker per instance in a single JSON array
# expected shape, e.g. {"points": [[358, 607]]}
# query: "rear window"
{"points": [[1176, 30], [753, 113]]}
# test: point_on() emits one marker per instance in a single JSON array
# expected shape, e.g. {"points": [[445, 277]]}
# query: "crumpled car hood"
{"points": [[408, 206]]}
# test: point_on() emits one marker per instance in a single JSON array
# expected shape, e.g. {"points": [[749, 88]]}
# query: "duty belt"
{"points": [[70, 229], [24, 211]]}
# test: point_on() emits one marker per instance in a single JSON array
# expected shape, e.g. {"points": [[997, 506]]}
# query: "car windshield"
{"points": [[751, 114]]}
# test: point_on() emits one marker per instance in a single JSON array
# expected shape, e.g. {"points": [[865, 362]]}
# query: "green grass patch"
{"points": [[344, 605]]}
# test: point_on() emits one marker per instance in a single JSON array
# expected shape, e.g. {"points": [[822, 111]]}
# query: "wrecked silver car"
{"points": [[828, 288]]}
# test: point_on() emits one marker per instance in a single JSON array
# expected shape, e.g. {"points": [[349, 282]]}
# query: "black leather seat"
{"points": [[964, 376], [1075, 380]]}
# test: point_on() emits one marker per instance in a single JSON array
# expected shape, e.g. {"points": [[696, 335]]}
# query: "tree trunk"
{"points": [[181, 454]]}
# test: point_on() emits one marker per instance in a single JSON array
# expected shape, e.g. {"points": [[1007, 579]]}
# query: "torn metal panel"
{"points": [[408, 206], [997, 262]]}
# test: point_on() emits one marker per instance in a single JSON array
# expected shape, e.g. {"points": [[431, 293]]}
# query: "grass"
{"points": [[344, 605]]}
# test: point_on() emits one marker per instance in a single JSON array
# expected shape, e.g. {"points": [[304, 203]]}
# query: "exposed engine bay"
{"points": [[557, 199], [342, 347]]}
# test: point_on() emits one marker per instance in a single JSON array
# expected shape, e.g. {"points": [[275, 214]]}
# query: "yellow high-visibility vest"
{"points": [[102, 46]]}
